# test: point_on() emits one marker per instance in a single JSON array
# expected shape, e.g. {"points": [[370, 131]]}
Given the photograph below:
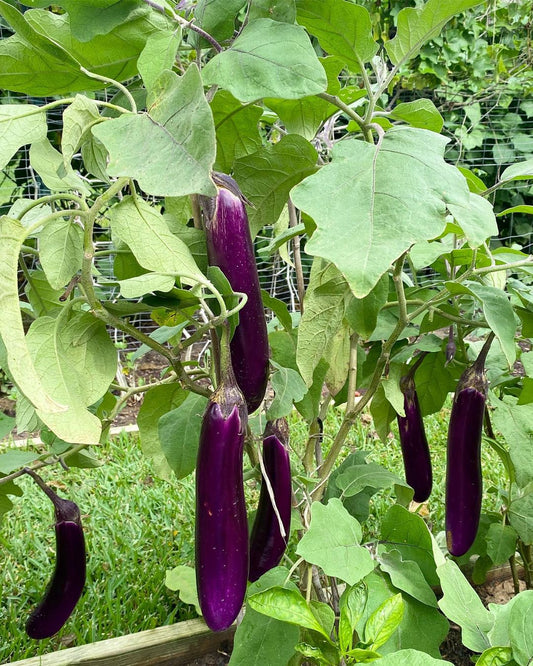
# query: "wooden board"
{"points": [[174, 645]]}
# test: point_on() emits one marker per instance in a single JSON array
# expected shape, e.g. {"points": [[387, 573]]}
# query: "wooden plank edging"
{"points": [[173, 645]]}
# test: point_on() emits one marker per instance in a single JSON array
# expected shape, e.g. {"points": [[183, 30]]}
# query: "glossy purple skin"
{"points": [[230, 247], [266, 543], [463, 470], [221, 524], [66, 586], [415, 449]]}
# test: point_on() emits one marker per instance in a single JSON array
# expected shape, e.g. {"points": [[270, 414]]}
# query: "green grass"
{"points": [[138, 526]]}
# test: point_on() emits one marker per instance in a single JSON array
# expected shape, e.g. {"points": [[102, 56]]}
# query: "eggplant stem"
{"points": [[479, 363], [43, 486]]}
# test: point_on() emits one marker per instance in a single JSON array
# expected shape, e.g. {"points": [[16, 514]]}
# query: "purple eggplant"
{"points": [[267, 544], [415, 449], [463, 466], [221, 524], [66, 585], [230, 247]]}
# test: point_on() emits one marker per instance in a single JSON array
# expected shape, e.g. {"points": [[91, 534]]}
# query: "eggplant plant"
{"points": [[192, 133]]}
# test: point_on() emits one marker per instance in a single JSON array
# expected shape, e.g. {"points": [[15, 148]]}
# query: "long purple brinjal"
{"points": [[413, 440], [221, 523], [267, 544], [66, 585], [464, 484], [230, 247]]}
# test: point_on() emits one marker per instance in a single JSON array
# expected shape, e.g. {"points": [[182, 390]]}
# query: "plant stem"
{"points": [[514, 573], [293, 221], [333, 99], [352, 372]]}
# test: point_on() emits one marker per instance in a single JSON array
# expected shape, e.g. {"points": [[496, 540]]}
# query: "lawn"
{"points": [[138, 526]]}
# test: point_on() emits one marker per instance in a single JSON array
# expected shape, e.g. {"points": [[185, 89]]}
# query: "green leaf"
{"points": [[343, 29], [279, 61], [337, 356], [146, 283], [7, 423], [417, 26], [43, 57], [144, 230], [371, 475], [495, 656], [499, 634], [94, 156], [476, 219], [157, 402], [521, 517], [217, 18], [182, 579], [237, 129], [279, 308], [518, 171], [48, 162], [461, 604], [304, 116], [407, 533], [384, 621], [372, 192], [179, 433], [324, 306], [419, 113], [287, 606], [20, 124], [55, 359], [362, 313], [407, 576], [61, 250], [515, 422], [521, 629], [21, 364], [260, 639], [501, 543], [410, 657], [15, 459], [180, 131], [277, 10], [267, 176], [344, 557], [158, 55], [97, 17], [352, 605], [288, 388], [475, 184], [78, 118], [516, 209], [43, 299], [433, 383]]}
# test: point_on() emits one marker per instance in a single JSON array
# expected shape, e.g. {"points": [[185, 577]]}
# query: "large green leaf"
{"points": [[43, 57], [407, 533], [419, 113], [237, 129], [288, 388], [61, 250], [49, 163], [267, 176], [358, 477], [342, 28], [278, 59], [362, 313], [515, 422], [78, 118], [179, 131], [521, 517], [384, 621], [410, 657], [261, 639], [143, 228], [501, 543], [217, 18], [476, 219], [380, 200], [304, 116], [416, 26], [159, 54], [20, 124], [461, 604], [98, 17], [157, 401], [179, 434], [407, 576], [433, 382], [331, 524], [324, 306], [58, 363], [521, 629], [278, 10]]}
